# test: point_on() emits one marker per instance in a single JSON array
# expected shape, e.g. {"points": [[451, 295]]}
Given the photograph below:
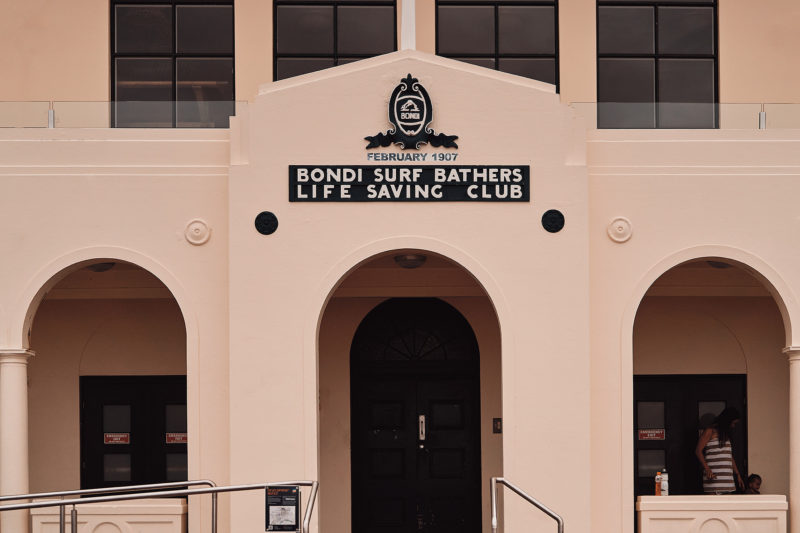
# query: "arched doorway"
{"points": [[415, 419], [708, 334], [107, 387], [381, 279]]}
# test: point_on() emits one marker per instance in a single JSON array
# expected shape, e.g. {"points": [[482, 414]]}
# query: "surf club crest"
{"points": [[411, 113]]}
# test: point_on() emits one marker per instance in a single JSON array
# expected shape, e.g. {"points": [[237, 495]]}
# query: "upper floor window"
{"points": [[311, 35], [515, 36], [172, 63], [657, 64]]}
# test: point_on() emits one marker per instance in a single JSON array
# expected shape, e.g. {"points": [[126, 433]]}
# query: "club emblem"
{"points": [[411, 113]]}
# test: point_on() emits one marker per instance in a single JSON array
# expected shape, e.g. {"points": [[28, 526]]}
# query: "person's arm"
{"points": [[739, 480], [698, 451]]}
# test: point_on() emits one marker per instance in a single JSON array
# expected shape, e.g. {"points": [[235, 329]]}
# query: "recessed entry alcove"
{"points": [[409, 383], [708, 334]]}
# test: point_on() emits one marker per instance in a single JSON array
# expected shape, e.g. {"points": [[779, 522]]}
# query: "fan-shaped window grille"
{"points": [[415, 331]]}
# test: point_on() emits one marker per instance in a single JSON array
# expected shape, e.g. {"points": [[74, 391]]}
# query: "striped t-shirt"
{"points": [[720, 460]]}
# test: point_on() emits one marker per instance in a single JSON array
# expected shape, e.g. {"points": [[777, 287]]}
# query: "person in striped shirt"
{"points": [[715, 452]]}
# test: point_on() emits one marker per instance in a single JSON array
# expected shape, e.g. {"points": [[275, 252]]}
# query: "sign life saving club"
{"points": [[411, 113]]}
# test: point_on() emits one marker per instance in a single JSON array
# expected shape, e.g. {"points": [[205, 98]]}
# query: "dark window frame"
{"points": [[496, 4], [172, 55], [335, 4], [656, 56]]}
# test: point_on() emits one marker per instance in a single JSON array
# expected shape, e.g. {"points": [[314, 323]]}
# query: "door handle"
{"points": [[422, 428]]}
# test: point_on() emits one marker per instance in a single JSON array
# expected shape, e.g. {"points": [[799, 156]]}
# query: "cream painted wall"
{"points": [[74, 338], [727, 335], [55, 50], [129, 195], [757, 43], [687, 195], [341, 319], [287, 276], [61, 49]]}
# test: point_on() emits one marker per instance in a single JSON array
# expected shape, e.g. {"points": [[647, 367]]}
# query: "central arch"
{"points": [[441, 287]]}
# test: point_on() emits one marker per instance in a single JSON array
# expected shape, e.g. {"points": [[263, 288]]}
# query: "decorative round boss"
{"points": [[266, 223], [620, 229], [553, 221]]}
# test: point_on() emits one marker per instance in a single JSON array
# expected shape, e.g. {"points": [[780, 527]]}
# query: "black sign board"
{"points": [[409, 183], [283, 508]]}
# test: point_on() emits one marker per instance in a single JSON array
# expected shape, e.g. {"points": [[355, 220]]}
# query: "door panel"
{"points": [[686, 404], [133, 430], [414, 358]]}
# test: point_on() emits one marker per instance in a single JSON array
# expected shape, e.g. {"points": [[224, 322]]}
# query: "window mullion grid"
{"points": [[656, 60], [496, 37], [174, 65], [335, 33]]}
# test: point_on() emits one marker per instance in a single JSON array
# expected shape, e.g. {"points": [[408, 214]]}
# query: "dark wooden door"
{"points": [[669, 413], [414, 362], [133, 430]]}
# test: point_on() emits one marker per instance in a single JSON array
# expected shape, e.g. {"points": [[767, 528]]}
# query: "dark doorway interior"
{"points": [[669, 414], [133, 430], [415, 420]]}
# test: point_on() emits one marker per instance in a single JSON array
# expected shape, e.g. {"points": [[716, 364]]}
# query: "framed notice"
{"points": [[116, 438], [283, 508], [652, 434]]}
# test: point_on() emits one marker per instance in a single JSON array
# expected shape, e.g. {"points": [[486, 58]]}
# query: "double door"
{"points": [[416, 455], [669, 413], [133, 430]]}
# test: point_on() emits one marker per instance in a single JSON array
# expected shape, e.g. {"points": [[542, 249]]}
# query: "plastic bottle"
{"points": [[664, 483], [658, 483]]}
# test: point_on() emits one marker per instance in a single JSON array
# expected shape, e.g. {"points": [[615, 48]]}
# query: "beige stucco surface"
{"points": [[60, 51], [126, 195], [262, 351]]}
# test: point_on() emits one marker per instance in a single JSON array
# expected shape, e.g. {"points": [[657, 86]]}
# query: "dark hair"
{"points": [[752, 477], [724, 424]]}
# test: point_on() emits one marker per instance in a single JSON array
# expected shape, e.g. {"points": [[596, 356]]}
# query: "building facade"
{"points": [[401, 248]]}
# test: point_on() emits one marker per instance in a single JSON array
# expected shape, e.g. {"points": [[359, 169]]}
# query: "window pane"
{"points": [[365, 30], [116, 419], [626, 30], [626, 93], [286, 68], [651, 462], [685, 30], [205, 92], [707, 2], [142, 29], [143, 90], [117, 467], [480, 61], [541, 69], [466, 30], [204, 29], [305, 30], [686, 93], [177, 467], [650, 415], [526, 30], [707, 412], [175, 418]]}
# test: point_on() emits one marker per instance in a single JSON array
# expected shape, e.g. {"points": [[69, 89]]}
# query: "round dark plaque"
{"points": [[266, 223], [553, 221]]}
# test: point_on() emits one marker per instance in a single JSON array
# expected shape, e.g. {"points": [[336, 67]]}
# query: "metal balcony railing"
{"points": [[147, 491]]}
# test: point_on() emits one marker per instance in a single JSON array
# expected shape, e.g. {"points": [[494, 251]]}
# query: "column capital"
{"points": [[792, 352], [18, 356]]}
